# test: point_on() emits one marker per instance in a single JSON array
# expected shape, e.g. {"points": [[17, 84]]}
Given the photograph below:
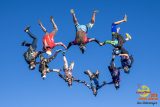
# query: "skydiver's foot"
{"points": [[51, 18], [128, 36], [27, 29], [96, 11], [39, 22], [95, 92], [23, 43], [72, 11], [125, 18], [85, 72]]}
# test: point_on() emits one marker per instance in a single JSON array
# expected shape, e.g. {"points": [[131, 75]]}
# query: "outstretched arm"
{"points": [[62, 76], [94, 40], [61, 44], [103, 84], [110, 82], [83, 82], [24, 43], [54, 56], [70, 44]]}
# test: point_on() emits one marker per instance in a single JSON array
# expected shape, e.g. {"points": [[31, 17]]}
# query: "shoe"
{"points": [[27, 29], [128, 36], [125, 18], [95, 11], [51, 18], [72, 11]]}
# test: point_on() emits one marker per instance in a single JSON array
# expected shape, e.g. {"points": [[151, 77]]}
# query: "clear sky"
{"points": [[20, 87]]}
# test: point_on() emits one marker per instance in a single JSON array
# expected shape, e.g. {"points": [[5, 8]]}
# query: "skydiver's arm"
{"points": [[79, 81], [53, 57], [24, 43], [103, 84], [110, 82], [62, 76], [83, 82]]}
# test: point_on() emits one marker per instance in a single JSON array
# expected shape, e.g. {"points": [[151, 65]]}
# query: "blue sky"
{"points": [[21, 87]]}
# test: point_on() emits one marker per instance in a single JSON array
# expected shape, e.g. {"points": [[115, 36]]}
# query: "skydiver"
{"points": [[48, 38], [126, 61], [117, 39], [31, 54], [94, 82], [115, 73], [81, 38], [44, 68], [68, 77]]}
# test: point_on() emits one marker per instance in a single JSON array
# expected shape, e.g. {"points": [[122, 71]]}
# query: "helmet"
{"points": [[49, 52], [116, 51]]}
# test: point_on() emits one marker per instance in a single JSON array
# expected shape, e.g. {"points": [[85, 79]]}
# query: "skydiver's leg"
{"points": [[97, 74], [60, 44], [94, 89], [74, 17], [55, 28], [42, 27], [89, 73], [34, 42], [114, 25], [65, 62], [112, 64], [93, 16], [121, 21], [91, 24], [71, 66]]}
